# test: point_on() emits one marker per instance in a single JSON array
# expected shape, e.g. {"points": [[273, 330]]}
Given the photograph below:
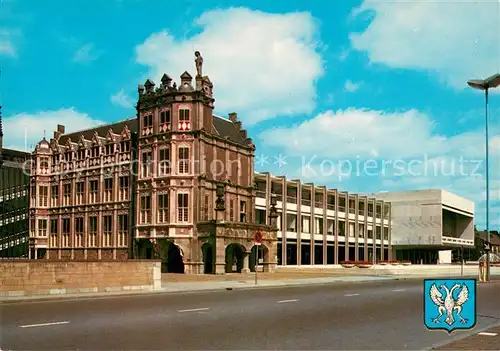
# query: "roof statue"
{"points": [[199, 63]]}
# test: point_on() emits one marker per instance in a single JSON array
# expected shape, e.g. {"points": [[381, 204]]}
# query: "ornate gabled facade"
{"points": [[148, 186]]}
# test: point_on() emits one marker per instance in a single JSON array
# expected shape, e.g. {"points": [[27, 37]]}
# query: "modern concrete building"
{"points": [[318, 226], [428, 224], [14, 180]]}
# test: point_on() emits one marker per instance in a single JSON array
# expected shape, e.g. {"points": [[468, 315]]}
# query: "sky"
{"points": [[362, 96]]}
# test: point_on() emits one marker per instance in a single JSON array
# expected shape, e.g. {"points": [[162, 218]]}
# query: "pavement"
{"points": [[373, 315]]}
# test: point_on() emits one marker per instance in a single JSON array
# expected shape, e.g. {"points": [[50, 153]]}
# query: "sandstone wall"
{"points": [[41, 277]]}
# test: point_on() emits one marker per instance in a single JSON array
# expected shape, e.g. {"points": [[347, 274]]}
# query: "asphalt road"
{"points": [[361, 316]]}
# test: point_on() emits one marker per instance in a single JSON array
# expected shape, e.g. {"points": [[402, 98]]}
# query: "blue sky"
{"points": [[320, 85]]}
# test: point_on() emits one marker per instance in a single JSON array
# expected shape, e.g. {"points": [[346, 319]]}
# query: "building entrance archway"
{"points": [[263, 255], [172, 257], [235, 254], [208, 258]]}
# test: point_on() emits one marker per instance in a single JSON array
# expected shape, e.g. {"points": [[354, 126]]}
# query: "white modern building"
{"points": [[320, 226], [427, 224]]}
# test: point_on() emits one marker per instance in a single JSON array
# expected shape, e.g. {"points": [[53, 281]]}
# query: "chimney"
{"points": [[237, 124], [60, 128], [244, 134], [233, 117]]}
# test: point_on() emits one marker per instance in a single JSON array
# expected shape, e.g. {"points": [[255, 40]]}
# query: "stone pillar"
{"points": [[220, 257], [246, 262]]}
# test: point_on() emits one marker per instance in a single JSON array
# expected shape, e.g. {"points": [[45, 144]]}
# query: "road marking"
{"points": [[285, 301], [351, 294], [396, 290], [487, 334], [42, 324], [194, 310]]}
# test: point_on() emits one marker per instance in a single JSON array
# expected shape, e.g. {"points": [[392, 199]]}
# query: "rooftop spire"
{"points": [[1, 128]]}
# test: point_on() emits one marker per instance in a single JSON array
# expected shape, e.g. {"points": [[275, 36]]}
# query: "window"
{"points": [[370, 233], [94, 152], [231, 210], [145, 213], [79, 232], [386, 233], [66, 228], [94, 189], [43, 199], [44, 162], [42, 227], [146, 164], [164, 161], [147, 121], [68, 156], [122, 230], [183, 160], [108, 190], [243, 211], [361, 230], [306, 224], [67, 194], [124, 188], [80, 193], [32, 227], [162, 208], [33, 196], [378, 233], [319, 226], [109, 149], [125, 146], [55, 160], [107, 231], [53, 226], [165, 117], [92, 231], [82, 154], [182, 207], [53, 240], [184, 120]]}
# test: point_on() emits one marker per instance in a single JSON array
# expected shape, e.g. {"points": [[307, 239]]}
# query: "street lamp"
{"points": [[486, 84], [273, 213]]}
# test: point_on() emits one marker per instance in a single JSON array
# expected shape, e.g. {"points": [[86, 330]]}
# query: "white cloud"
{"points": [[456, 40], [350, 86], [394, 151], [262, 64], [24, 130], [122, 99], [7, 47], [86, 53]]}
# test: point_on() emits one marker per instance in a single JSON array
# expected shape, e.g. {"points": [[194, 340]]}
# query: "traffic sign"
{"points": [[487, 246], [258, 236]]}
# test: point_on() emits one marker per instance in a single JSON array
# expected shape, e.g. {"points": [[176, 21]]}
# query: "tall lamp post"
{"points": [[486, 84]]}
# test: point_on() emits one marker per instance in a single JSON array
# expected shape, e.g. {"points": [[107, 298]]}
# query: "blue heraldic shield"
{"points": [[449, 304]]}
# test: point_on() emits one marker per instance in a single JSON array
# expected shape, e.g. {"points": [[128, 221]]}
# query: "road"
{"points": [[363, 316]]}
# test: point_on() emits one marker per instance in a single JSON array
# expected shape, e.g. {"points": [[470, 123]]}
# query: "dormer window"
{"points": [[184, 119], [55, 159]]}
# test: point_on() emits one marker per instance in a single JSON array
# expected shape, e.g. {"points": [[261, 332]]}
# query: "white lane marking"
{"points": [[487, 334], [42, 324], [285, 301], [351, 294], [194, 310], [396, 290]]}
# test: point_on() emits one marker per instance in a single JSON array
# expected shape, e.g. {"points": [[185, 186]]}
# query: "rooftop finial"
{"points": [[199, 63]]}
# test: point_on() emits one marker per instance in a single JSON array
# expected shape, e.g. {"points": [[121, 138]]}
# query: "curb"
{"points": [[105, 295], [462, 336]]}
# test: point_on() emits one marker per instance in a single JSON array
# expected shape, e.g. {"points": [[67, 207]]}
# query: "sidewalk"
{"points": [[215, 285], [485, 340]]}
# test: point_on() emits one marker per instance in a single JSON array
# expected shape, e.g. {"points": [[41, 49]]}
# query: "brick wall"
{"points": [[41, 277]]}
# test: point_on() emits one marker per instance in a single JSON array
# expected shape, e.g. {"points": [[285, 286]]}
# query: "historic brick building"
{"points": [[175, 182]]}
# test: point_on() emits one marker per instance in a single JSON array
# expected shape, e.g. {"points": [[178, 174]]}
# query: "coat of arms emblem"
{"points": [[449, 304]]}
